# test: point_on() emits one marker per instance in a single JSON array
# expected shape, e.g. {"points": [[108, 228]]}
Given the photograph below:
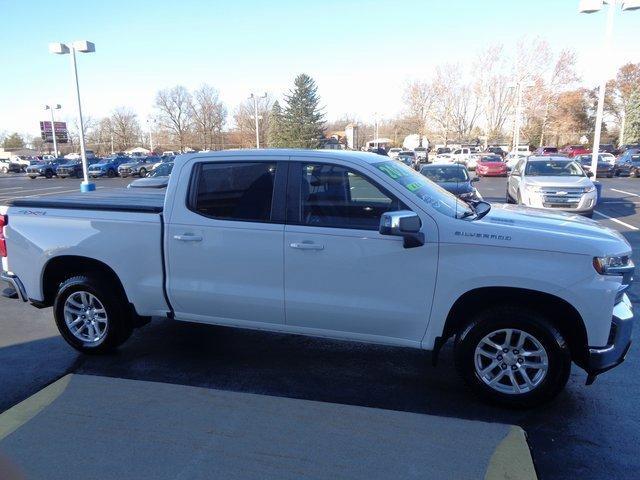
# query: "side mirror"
{"points": [[475, 179], [405, 224], [589, 174]]}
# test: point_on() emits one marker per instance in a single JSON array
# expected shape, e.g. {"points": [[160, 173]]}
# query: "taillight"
{"points": [[4, 220]]}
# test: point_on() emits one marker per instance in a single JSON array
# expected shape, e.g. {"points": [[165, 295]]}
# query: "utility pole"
{"points": [[255, 110]]}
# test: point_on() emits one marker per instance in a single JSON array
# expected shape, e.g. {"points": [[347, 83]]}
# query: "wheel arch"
{"points": [[560, 312], [62, 267]]}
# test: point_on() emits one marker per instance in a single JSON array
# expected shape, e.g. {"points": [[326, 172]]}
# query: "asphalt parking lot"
{"points": [[587, 432]]}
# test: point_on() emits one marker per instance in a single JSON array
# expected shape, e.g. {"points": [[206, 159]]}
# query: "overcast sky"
{"points": [[360, 53]]}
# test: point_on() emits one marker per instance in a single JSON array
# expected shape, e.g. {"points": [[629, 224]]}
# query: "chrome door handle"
{"points": [[188, 238], [307, 246]]}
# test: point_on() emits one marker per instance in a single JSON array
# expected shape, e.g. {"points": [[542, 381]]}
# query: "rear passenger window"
{"points": [[235, 191]]}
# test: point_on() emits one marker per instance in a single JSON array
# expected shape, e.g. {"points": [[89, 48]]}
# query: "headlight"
{"points": [[613, 265], [588, 189]]}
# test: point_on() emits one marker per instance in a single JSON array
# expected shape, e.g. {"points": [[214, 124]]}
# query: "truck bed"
{"points": [[118, 200]]}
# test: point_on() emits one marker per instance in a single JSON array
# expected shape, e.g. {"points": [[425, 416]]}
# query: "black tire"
{"points": [[111, 173], [79, 174], [119, 318], [32, 177], [533, 323], [143, 172], [5, 170], [508, 197], [48, 174]]}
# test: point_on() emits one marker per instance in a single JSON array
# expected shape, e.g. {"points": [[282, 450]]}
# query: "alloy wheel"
{"points": [[86, 317], [511, 361]]}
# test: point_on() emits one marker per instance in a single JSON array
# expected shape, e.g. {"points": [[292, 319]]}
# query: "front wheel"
{"points": [[92, 315], [5, 170], [513, 356], [111, 173], [143, 172]]}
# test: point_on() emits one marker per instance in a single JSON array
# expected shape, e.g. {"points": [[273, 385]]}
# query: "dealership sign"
{"points": [[60, 128]]}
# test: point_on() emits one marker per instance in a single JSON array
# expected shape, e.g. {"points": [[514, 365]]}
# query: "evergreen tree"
{"points": [[303, 119], [13, 141], [632, 120], [276, 127]]}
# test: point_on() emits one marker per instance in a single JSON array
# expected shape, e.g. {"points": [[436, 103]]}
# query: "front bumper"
{"points": [[601, 359], [15, 289]]}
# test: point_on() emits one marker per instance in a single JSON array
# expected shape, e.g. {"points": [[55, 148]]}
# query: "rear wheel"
{"points": [[92, 315], [111, 173], [48, 174]]}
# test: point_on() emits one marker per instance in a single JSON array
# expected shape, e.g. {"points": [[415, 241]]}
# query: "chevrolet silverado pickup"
{"points": [[347, 245]]}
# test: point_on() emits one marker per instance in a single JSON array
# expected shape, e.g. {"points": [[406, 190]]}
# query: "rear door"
{"points": [[224, 242], [341, 275]]}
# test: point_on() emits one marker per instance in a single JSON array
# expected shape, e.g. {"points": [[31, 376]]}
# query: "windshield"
{"points": [[162, 170], [445, 174], [426, 190], [553, 168]]}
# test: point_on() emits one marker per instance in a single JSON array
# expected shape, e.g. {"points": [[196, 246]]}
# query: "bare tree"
{"points": [[244, 117], [493, 85], [418, 100], [125, 127], [209, 115], [174, 107]]}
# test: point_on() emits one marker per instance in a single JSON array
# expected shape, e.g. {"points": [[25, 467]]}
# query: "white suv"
{"points": [[553, 183]]}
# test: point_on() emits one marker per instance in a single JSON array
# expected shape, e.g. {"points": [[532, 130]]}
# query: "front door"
{"points": [[224, 244], [341, 275]]}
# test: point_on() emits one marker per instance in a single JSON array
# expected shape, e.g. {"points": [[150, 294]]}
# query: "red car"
{"points": [[491, 166], [573, 150]]}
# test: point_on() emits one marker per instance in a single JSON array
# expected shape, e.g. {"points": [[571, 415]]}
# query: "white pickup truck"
{"points": [[337, 244]]}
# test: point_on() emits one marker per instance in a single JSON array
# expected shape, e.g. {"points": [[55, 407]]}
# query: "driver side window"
{"points": [[334, 196]]}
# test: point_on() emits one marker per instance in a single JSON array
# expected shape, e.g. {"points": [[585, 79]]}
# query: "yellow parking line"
{"points": [[512, 458], [16, 416]]}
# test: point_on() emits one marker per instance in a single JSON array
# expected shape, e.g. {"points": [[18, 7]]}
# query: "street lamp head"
{"points": [[58, 48], [590, 6], [631, 5], [84, 46]]}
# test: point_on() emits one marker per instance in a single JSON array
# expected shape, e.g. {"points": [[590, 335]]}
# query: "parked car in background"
{"points": [[491, 166], [75, 156], [6, 166], [608, 157], [461, 155], [628, 164], [454, 179], [408, 157], [544, 151], [552, 183], [443, 158], [164, 159], [629, 146], [72, 168], [608, 148], [393, 152], [472, 161], [108, 167], [158, 178], [522, 150], [605, 169], [496, 150], [512, 159], [422, 154], [442, 150], [44, 168], [138, 167], [573, 150]]}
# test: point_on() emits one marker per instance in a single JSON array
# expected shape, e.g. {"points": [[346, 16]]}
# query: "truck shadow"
{"points": [[375, 376]]}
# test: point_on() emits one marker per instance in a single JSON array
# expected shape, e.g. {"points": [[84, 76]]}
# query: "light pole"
{"points": [[149, 123], [82, 46], [519, 85], [592, 6], [51, 108], [255, 109]]}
